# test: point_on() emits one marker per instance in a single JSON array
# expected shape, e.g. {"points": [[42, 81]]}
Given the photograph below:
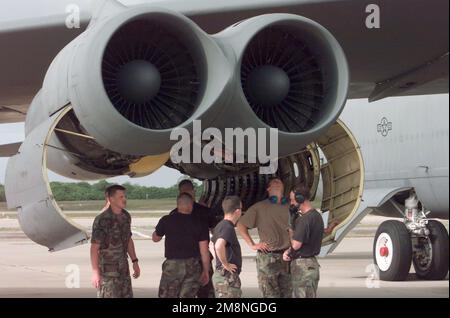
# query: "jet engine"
{"points": [[113, 96]]}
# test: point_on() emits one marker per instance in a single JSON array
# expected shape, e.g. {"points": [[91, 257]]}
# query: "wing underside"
{"points": [[407, 55]]}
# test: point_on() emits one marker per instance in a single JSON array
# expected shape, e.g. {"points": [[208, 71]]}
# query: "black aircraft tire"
{"points": [[438, 268], [394, 262]]}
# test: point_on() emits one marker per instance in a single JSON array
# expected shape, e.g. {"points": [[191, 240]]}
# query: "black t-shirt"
{"points": [[183, 233], [225, 230], [203, 214], [206, 214], [309, 231]]}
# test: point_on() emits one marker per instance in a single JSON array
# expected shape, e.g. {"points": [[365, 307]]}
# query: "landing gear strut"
{"points": [[423, 242]]}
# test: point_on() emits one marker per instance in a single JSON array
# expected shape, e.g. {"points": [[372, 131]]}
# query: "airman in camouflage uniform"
{"points": [[187, 263], [307, 235], [271, 218], [111, 245], [228, 251], [205, 215], [113, 233]]}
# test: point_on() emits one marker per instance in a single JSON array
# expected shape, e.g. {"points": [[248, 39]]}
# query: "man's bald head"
{"points": [[185, 203]]}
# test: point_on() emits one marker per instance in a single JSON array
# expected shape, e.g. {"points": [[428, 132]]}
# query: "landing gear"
{"points": [[423, 242], [430, 254], [393, 251]]}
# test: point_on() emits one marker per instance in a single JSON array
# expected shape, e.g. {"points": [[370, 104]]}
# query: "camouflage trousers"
{"points": [[207, 291], [116, 282], [274, 278], [180, 278], [305, 277], [227, 285]]}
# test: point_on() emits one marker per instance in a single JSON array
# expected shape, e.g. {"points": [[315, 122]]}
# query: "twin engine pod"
{"points": [[112, 97], [139, 72]]}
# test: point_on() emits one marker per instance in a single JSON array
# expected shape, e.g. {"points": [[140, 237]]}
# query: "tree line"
{"points": [[2, 193], [84, 191]]}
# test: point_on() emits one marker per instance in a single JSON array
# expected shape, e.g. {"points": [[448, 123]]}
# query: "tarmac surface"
{"points": [[29, 270]]}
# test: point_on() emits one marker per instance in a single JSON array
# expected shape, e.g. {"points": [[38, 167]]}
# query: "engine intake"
{"points": [[292, 75], [138, 74], [151, 75], [282, 80]]}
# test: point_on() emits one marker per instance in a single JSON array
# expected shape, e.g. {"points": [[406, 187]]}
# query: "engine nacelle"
{"points": [[290, 74], [134, 75], [137, 73]]}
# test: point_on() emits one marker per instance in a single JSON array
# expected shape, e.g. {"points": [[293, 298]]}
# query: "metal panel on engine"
{"points": [[27, 189]]}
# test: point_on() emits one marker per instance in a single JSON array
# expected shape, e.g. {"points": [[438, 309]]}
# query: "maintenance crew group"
{"points": [[290, 233]]}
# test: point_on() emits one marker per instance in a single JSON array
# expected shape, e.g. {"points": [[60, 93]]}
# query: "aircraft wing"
{"points": [[12, 114], [407, 55]]}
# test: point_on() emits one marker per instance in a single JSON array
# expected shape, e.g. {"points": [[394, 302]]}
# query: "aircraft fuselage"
{"points": [[404, 142]]}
